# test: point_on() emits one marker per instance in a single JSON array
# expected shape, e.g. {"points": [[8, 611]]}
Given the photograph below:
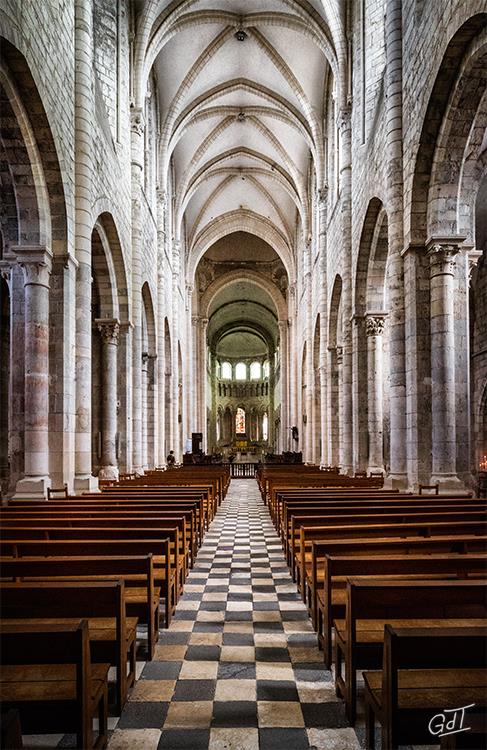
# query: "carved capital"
{"points": [[195, 319], [339, 355], [442, 252], [375, 323], [36, 263], [137, 121], [109, 329], [473, 260]]}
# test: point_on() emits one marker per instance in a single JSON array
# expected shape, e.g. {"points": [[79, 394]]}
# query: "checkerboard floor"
{"points": [[238, 669]]}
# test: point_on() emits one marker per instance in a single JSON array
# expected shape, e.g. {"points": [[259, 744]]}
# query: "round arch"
{"points": [[240, 221], [252, 277]]}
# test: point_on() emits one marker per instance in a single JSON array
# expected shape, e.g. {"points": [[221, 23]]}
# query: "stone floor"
{"points": [[239, 668]]}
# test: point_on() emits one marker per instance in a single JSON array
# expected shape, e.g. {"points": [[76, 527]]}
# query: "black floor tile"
{"points": [[234, 714], [143, 715]]}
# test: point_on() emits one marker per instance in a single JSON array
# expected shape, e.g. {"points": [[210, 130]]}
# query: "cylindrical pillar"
{"points": [[346, 415], [36, 264], [137, 124], [442, 271], [395, 267], [83, 228], [202, 380], [374, 326], [144, 384], [342, 412], [161, 339], [324, 376], [283, 352], [109, 330]]}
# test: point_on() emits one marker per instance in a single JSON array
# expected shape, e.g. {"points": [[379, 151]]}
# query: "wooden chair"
{"points": [[67, 693]]}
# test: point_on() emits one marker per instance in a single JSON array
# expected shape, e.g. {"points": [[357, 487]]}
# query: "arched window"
{"points": [[265, 427], [255, 370], [240, 371], [240, 421], [266, 368], [226, 371], [218, 370]]}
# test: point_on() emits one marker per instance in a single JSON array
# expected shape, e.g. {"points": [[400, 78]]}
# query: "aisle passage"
{"points": [[239, 668]]}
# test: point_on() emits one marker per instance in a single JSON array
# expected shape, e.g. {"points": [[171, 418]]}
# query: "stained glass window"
{"points": [[226, 371], [240, 421], [265, 427], [240, 371]]}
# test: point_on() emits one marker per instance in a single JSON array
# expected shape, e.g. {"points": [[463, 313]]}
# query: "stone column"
{"points": [[144, 407], [109, 330], [441, 253], [395, 266], [161, 313], [202, 380], [374, 326], [36, 263], [196, 368], [283, 349], [323, 307], [346, 421], [84, 108], [341, 446], [137, 126]]}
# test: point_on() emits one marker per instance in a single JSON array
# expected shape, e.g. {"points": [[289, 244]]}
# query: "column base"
{"points": [[395, 482], [32, 488], [85, 483], [447, 481], [376, 470], [108, 472]]}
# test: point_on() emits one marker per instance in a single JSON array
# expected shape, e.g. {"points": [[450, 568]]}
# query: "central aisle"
{"points": [[239, 668]]}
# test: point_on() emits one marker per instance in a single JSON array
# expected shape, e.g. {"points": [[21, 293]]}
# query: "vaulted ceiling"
{"points": [[241, 89]]}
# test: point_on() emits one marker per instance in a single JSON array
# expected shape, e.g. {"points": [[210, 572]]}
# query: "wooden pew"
{"points": [[120, 533], [137, 572], [361, 530], [331, 597], [370, 606], [370, 516], [426, 672], [361, 505], [47, 675], [164, 576], [105, 519], [112, 633], [115, 510]]}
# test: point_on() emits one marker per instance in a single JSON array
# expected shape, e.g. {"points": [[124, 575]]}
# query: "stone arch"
{"points": [[240, 221], [252, 276], [334, 369], [32, 155], [34, 230], [423, 216], [371, 347], [113, 269]]}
